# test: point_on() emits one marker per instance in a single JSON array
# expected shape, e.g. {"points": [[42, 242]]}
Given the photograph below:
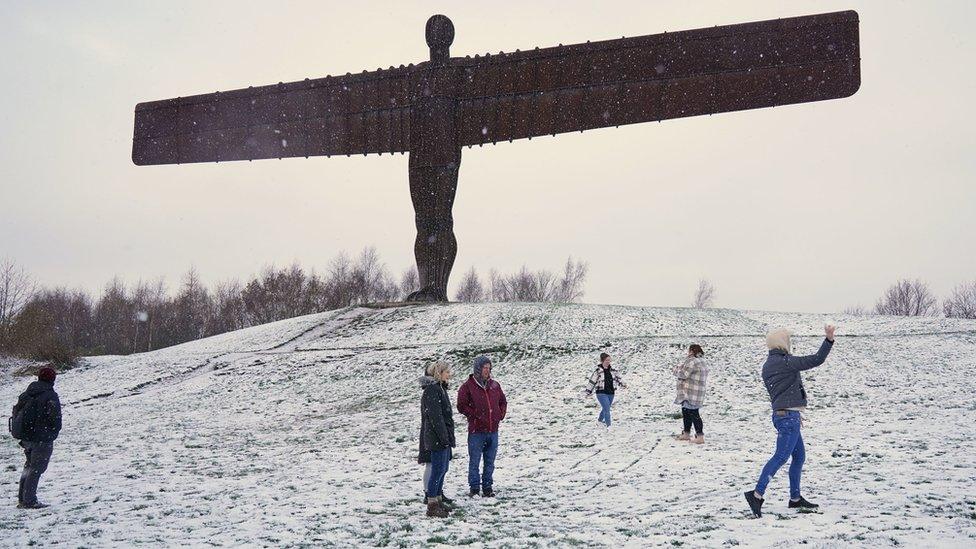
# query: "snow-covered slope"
{"points": [[304, 432]]}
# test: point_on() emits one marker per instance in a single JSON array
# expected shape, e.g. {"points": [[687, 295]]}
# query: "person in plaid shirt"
{"points": [[691, 375], [604, 380]]}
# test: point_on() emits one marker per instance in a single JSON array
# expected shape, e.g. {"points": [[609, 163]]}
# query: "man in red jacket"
{"points": [[482, 401]]}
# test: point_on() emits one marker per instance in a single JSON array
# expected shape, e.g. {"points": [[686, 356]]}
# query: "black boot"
{"points": [[473, 492], [447, 502], [487, 492], [803, 505], [754, 503]]}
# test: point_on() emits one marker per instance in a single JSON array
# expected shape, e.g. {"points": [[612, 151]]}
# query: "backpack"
{"points": [[15, 423]]}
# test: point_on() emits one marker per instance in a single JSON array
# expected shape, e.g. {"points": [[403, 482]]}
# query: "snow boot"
{"points": [[487, 492], [699, 439], [803, 505], [435, 509], [683, 436], [755, 504], [472, 492], [447, 502], [36, 505]]}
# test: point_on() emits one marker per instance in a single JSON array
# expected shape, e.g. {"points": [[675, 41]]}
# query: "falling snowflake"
{"points": [[284, 143]]}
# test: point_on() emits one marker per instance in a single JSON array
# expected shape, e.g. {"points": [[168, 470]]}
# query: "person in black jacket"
{"points": [[437, 435], [423, 456], [41, 410]]}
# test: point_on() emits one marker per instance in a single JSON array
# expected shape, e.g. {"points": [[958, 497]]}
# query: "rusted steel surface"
{"points": [[515, 95], [659, 77], [433, 109]]}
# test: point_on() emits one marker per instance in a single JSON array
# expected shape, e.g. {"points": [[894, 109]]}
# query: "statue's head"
{"points": [[440, 36]]}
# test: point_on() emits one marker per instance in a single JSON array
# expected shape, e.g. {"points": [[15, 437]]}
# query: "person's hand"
{"points": [[829, 330]]}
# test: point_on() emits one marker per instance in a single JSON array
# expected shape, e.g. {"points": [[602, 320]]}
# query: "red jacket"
{"points": [[483, 406]]}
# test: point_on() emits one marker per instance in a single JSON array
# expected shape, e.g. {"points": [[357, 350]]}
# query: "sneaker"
{"points": [[473, 492], [803, 504], [683, 436], [755, 504], [488, 492], [699, 439]]}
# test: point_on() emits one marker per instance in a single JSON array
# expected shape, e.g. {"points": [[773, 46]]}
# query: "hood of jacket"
{"points": [[424, 381], [38, 388]]}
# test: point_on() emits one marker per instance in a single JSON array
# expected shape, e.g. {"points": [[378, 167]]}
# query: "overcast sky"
{"points": [[810, 207]]}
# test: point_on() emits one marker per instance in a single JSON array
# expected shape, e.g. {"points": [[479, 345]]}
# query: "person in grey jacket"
{"points": [[41, 409], [781, 375]]}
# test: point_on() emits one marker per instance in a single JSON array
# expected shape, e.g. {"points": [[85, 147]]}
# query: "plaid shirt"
{"points": [[596, 381], [691, 375]]}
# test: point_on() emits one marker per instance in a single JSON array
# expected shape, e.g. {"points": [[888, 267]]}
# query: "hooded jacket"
{"points": [[484, 405], [42, 412], [781, 375], [436, 418]]}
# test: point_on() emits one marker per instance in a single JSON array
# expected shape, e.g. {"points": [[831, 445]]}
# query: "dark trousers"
{"points": [[691, 417], [38, 455]]}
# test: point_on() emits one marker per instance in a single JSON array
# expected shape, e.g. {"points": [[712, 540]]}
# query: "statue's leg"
{"points": [[432, 189]]}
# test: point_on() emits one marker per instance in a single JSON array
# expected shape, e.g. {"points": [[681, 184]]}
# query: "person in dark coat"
{"points": [[41, 409], [437, 436], [423, 456], [482, 401], [788, 398]]}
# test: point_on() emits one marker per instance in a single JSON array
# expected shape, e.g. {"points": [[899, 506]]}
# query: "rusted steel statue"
{"points": [[435, 108]]}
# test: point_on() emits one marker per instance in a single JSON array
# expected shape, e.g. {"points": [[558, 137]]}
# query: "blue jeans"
{"points": [[605, 401], [439, 460], [481, 446], [789, 443]]}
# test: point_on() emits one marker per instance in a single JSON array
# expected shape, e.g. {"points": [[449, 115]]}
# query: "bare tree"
{"points": [[570, 288], [856, 310], [704, 295], [16, 289], [471, 289], [409, 281], [907, 298], [229, 313], [539, 286], [962, 302]]}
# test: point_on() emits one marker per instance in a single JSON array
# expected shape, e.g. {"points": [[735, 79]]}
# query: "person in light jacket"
{"points": [[691, 375], [604, 380]]}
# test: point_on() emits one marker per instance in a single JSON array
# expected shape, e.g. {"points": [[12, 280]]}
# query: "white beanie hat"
{"points": [[779, 338]]}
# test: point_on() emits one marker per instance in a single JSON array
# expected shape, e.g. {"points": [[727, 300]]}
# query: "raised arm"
{"points": [[801, 363]]}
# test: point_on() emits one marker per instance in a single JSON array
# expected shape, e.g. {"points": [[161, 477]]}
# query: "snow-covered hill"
{"points": [[304, 433]]}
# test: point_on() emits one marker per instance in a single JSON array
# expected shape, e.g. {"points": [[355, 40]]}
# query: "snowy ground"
{"points": [[304, 433]]}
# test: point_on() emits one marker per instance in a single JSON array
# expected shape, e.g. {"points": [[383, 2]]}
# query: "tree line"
{"points": [[914, 297], [60, 324]]}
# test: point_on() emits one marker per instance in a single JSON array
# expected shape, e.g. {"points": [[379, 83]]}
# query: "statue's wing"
{"points": [[657, 77], [353, 114]]}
